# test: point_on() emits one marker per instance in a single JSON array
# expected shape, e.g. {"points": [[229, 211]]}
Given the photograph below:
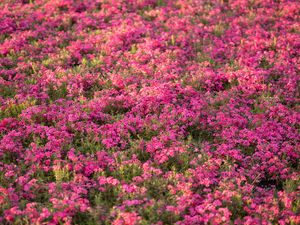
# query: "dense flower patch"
{"points": [[149, 112]]}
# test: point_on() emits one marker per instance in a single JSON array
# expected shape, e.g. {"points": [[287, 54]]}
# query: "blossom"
{"points": [[149, 111]]}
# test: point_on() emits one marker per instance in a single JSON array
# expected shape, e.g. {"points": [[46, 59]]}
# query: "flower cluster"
{"points": [[133, 112]]}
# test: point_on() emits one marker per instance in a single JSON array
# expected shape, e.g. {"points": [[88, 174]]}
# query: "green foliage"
{"points": [[147, 133], [220, 29], [291, 186], [173, 41], [204, 21], [48, 62], [296, 206], [34, 138], [236, 207], [103, 202], [4, 205], [62, 174], [21, 220], [160, 3], [133, 49], [115, 108], [199, 135], [92, 65], [84, 218], [4, 182], [229, 84], [136, 148], [126, 172], [155, 213], [262, 101], [9, 157], [264, 63], [179, 163], [110, 195], [43, 176], [247, 150], [56, 93], [90, 93], [157, 188], [31, 80], [3, 37], [204, 57], [86, 144], [15, 109], [234, 65]]}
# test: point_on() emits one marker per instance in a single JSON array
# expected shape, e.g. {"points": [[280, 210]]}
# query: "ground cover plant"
{"points": [[136, 112]]}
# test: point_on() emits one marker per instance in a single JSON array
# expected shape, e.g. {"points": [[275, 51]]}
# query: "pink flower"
{"points": [[127, 218]]}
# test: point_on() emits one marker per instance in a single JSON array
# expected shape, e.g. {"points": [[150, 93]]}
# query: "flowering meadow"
{"points": [[137, 112]]}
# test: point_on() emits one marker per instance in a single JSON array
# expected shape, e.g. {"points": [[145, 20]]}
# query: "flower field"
{"points": [[137, 112]]}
